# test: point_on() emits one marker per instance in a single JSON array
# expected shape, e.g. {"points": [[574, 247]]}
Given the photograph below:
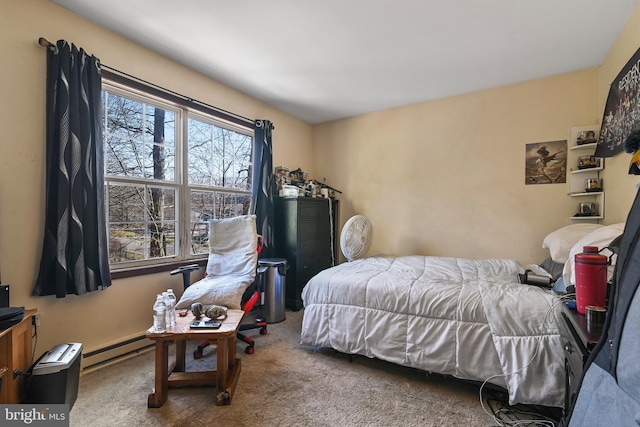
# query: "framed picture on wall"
{"points": [[546, 163]]}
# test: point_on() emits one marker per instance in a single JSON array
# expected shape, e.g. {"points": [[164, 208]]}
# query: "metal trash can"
{"points": [[274, 277]]}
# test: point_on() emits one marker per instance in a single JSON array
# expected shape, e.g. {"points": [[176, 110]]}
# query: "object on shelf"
{"points": [[281, 171], [311, 189], [587, 209], [281, 177], [592, 185], [296, 183], [327, 191], [586, 137], [298, 175], [585, 162], [288, 191]]}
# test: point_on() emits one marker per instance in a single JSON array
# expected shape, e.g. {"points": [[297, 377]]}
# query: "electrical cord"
{"points": [[34, 337], [333, 261], [507, 415]]}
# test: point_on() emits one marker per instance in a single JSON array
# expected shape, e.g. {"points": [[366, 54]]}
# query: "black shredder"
{"points": [[54, 377]]}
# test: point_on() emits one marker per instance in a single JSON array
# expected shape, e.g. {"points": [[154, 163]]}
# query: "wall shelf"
{"points": [[587, 193], [577, 177], [582, 146], [587, 170]]}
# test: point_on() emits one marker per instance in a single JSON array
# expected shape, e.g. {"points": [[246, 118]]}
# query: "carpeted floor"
{"points": [[282, 384]]}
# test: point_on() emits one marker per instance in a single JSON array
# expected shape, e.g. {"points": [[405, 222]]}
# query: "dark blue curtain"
{"points": [[75, 257], [262, 194]]}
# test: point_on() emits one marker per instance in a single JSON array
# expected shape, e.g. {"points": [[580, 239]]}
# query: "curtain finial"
{"points": [[263, 124]]}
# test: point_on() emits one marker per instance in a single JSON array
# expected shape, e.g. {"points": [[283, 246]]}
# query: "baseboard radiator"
{"points": [[114, 352]]}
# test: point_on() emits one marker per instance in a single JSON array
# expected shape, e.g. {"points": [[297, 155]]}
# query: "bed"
{"points": [[470, 319]]}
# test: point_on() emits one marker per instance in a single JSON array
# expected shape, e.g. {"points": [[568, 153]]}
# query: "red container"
{"points": [[591, 278]]}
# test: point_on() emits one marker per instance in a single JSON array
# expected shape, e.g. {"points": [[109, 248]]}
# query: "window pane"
{"points": [[126, 242], [126, 203], [218, 156], [123, 157], [230, 205], [141, 222], [134, 242], [200, 154], [201, 211], [199, 238], [139, 139], [161, 204], [161, 239], [202, 205], [124, 117]]}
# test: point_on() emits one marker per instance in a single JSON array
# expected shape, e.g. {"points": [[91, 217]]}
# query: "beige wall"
{"points": [[447, 177], [123, 310]]}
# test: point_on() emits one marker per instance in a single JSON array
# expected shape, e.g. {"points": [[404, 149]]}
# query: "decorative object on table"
{"points": [[216, 312], [546, 163], [620, 112], [632, 145], [197, 310]]}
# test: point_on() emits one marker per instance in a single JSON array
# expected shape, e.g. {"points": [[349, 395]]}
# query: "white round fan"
{"points": [[355, 238]]}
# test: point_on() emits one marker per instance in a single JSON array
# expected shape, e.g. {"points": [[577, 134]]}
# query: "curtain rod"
{"points": [[46, 43]]}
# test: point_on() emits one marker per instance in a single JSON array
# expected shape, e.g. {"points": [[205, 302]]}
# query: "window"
{"points": [[168, 170]]}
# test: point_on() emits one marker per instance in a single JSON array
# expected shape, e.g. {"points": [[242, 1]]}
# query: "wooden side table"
{"points": [[225, 377]]}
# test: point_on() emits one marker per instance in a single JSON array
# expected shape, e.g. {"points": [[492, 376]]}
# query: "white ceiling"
{"points": [[330, 59]]}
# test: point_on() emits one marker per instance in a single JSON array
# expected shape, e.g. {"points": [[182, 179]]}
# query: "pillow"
{"points": [[601, 238], [561, 241]]}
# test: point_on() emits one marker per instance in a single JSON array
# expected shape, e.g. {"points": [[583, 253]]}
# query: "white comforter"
{"points": [[467, 318]]}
